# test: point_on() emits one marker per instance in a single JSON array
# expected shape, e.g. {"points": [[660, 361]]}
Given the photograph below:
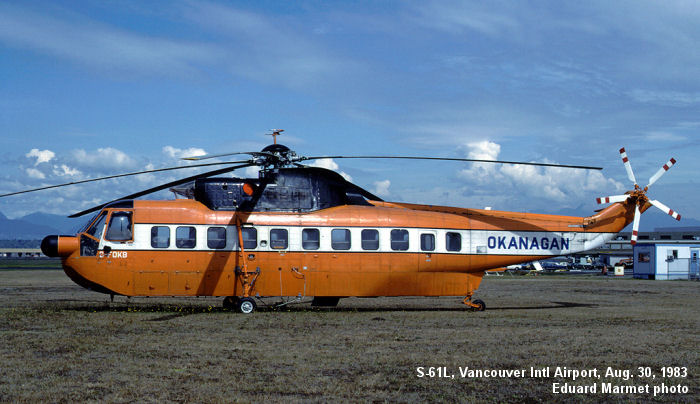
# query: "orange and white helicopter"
{"points": [[298, 231]]}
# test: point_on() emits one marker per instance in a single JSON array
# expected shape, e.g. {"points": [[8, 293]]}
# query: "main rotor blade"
{"points": [[666, 209], [118, 176], [163, 186], [661, 171], [612, 199], [628, 166], [635, 226], [212, 156], [451, 159]]}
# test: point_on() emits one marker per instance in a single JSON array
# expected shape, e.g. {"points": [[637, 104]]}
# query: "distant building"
{"points": [[667, 260], [20, 253], [658, 244]]}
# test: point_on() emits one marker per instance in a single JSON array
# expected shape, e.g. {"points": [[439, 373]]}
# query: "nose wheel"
{"points": [[475, 305], [478, 305]]}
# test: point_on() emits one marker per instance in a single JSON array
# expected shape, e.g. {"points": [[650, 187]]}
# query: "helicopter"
{"points": [[299, 232]]}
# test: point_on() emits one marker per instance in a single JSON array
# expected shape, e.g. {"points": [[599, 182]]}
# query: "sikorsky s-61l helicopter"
{"points": [[298, 231]]}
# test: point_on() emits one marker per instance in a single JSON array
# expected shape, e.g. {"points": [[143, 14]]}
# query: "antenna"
{"points": [[275, 133]]}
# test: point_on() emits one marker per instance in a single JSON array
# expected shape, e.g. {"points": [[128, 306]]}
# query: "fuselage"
{"points": [[183, 248]]}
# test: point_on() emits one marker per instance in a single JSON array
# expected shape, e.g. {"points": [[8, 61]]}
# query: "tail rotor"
{"points": [[639, 195], [628, 166]]}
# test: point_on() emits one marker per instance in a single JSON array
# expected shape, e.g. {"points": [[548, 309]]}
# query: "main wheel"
{"points": [[230, 302], [247, 305], [481, 305]]}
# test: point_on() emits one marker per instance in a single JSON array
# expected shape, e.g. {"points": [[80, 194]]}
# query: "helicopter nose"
{"points": [[49, 246], [59, 246]]}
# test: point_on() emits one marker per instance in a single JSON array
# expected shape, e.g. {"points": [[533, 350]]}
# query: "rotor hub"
{"points": [[276, 156]]}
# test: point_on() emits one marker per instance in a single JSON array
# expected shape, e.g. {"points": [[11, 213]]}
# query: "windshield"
{"points": [[119, 228], [84, 227], [96, 229]]}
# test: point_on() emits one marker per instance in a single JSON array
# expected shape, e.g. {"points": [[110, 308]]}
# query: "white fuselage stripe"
{"points": [[476, 242]]}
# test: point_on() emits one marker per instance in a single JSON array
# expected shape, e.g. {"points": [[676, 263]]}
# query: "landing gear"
{"points": [[231, 302], [479, 305], [246, 305], [476, 305]]}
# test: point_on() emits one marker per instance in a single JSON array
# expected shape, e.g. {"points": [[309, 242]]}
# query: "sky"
{"points": [[95, 88]]}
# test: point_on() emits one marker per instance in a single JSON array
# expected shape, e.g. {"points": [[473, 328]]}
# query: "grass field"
{"points": [[61, 343]]}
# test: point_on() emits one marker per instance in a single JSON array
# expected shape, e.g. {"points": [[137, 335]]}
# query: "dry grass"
{"points": [[61, 343]]}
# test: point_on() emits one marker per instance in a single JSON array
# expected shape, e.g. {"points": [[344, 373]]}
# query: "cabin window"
{"points": [[310, 239], [453, 241], [96, 229], [216, 238], [340, 239], [160, 237], [119, 228], [250, 237], [279, 239], [185, 237], [370, 239], [427, 242], [399, 240]]}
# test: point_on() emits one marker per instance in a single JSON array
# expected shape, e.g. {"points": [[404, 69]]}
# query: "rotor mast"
{"points": [[274, 134]]}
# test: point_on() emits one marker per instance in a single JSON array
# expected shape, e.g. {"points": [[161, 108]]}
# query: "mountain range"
{"points": [[37, 225]]}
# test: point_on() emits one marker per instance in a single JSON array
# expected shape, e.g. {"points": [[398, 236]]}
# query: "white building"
{"points": [[667, 260]]}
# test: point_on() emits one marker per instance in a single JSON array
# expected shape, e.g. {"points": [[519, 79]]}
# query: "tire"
{"points": [[246, 305], [481, 304]]}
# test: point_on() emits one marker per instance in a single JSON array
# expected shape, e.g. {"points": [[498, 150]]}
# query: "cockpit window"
{"points": [[86, 225], [119, 227], [98, 227]]}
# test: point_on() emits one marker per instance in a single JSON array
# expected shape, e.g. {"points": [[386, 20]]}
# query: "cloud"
{"points": [[329, 164], [661, 136], [42, 156], [481, 173], [381, 188], [458, 17], [263, 47], [63, 170], [107, 158], [665, 98], [564, 185], [34, 173], [174, 152], [79, 39]]}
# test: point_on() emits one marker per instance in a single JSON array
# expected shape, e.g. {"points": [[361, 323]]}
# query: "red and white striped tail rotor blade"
{"points": [[661, 171], [635, 226], [666, 209], [612, 199], [628, 166]]}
